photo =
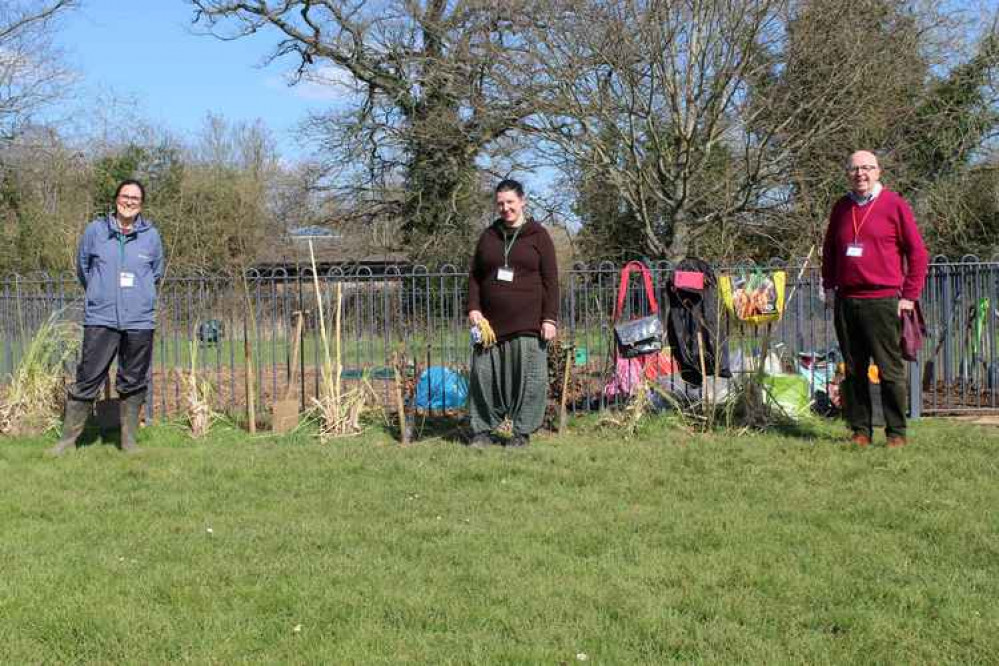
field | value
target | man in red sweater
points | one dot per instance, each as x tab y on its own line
873	267
512	286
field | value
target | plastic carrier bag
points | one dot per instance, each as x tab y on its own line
755	297
790	392
440	388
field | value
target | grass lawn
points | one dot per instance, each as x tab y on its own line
667	548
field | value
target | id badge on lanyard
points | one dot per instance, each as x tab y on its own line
505	272
855	250
126	279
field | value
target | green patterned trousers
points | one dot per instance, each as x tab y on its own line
509	379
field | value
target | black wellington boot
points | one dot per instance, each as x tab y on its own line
77	412
130	408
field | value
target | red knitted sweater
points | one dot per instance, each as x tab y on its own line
893	260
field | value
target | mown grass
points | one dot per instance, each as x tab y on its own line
666	548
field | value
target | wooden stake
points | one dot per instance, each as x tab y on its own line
251	383
285	414
704	369
563	415
400	404
296	349
251	387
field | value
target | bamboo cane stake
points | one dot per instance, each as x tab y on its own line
712	403
801	272
322	318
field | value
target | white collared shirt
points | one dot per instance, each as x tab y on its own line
863	201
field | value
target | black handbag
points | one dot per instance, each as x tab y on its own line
642	336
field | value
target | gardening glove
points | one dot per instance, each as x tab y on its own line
487	335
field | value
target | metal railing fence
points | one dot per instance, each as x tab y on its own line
418	313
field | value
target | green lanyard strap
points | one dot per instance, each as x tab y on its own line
507	246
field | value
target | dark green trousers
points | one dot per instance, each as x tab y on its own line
870	328
509	379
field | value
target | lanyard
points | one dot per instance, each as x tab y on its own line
853	215
122	240
507	246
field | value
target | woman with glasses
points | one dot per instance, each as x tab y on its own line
119	262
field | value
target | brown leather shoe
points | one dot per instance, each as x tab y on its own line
896	441
860	440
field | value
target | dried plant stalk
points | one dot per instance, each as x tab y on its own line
637	408
197	392
339	411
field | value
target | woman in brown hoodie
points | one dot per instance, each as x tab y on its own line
513	284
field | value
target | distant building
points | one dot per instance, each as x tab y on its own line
332	248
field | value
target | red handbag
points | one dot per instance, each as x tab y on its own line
688	280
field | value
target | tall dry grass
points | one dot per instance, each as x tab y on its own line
35	394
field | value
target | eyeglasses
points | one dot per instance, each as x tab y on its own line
866	168
130	200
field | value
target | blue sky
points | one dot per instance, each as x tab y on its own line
145	49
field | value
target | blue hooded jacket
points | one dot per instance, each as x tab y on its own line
119	273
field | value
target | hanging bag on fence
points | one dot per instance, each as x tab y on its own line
644	335
693	321
754	297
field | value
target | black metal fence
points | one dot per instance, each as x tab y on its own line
418	314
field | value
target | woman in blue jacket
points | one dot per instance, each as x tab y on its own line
119	263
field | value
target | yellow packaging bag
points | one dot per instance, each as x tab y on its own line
756	297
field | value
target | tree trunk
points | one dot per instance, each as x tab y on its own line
441	196
679	245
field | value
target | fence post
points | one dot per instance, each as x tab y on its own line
948	309
915	392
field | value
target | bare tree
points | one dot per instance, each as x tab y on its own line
31	74
438	85
672	104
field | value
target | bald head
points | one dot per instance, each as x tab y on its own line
863	171
862	157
